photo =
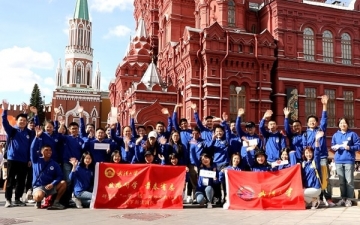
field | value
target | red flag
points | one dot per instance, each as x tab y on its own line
265	190
141	186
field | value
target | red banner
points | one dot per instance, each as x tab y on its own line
138	186
265	190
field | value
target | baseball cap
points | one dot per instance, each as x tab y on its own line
250	124
152	134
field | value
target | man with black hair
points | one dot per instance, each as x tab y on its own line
294	134
18	155
207	130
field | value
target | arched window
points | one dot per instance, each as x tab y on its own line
240	48
237	100
346	48
68	77
78	76
231	13
88	78
309	53
328	47
80	35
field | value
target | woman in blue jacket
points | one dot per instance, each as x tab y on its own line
205	187
310	172
345	142
82	175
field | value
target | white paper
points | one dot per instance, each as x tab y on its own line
252	142
278	163
114	111
336	147
101	146
112	120
207	173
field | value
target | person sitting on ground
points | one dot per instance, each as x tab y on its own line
47	175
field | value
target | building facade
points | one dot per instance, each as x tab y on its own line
76	84
254	54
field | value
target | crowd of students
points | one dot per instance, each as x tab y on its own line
61	159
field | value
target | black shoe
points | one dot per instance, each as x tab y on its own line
19	203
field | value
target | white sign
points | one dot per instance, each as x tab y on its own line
114	111
207	173
101	146
252	142
278	163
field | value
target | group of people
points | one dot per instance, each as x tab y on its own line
61	159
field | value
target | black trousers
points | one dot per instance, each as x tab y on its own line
29	179
16	176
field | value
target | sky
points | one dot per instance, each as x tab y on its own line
33	36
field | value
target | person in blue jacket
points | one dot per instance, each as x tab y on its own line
207	130
181	126
51	137
286	155
205	187
18	155
86	132
248	138
125	143
82	175
345	143
234	165
156	147
196	147
274	141
310	172
257	160
308	139
175	145
47	174
99	154
294	134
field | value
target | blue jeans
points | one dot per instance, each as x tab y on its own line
346	179
85	198
66	168
201	199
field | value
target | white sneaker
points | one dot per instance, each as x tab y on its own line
315	203
8	204
189	200
209	205
78	203
348	203
341	202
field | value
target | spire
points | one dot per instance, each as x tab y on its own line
141	31
59	74
151	76
81	10
97	78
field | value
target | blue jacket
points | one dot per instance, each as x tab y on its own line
83	180
201	184
44	172
254	166
308	138
126	156
97	154
309	178
72	147
295	140
183	157
206	133
196	148
140	151
343	156
222	174
274	142
292	161
55	143
19	145
82	129
185	135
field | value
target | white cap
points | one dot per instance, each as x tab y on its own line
152	134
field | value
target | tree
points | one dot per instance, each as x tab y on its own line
36	100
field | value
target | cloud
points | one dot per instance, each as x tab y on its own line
118	31
110	5
17	66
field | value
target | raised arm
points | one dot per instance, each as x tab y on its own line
226	127
82	122
239	131
196	117
36	145
8	128
323	121
117	139
165	111
287	126
132	123
262	128
175	118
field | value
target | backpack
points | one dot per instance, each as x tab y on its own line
8	140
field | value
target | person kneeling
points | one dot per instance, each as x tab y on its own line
47	175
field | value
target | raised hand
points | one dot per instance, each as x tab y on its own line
25	107
193	106
73	161
319	135
225	117
162	140
61	120
38	131
286	111
324	99
56	111
268	113
138	141
5	104
241	112
165	111
34	110
161	157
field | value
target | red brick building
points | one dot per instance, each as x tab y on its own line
254	54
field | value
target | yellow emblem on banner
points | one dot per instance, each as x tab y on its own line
109	172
